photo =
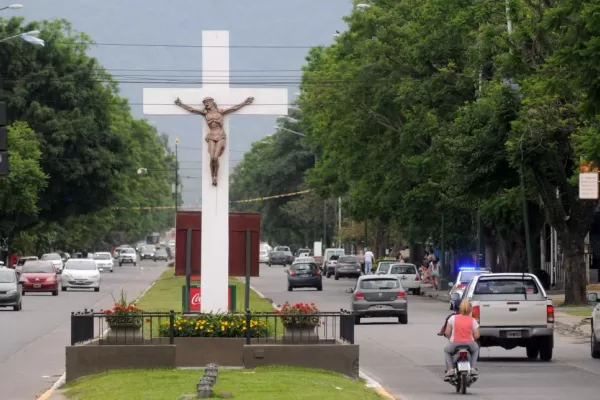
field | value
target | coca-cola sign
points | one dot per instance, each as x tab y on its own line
195	293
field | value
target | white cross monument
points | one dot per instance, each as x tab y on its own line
215	199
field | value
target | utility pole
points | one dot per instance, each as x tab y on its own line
176	176
324	224
339	222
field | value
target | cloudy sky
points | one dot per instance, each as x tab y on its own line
269	39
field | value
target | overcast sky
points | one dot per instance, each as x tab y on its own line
288	28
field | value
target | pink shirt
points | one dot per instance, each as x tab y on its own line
463	328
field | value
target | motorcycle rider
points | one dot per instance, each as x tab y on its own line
463	331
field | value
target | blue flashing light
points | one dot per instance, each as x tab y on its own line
467	268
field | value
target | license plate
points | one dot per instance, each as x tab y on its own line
513	334
37	286
463	366
304	275
381	307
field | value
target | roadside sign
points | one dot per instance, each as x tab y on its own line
588	186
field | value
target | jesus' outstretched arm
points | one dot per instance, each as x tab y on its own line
189	108
246	102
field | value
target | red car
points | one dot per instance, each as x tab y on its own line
39	276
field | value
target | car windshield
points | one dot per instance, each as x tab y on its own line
466	276
506	286
402	269
81	266
277	253
149	248
30	268
102	256
161	251
128	251
334	257
7	277
379	284
24	260
304	267
52	256
348	259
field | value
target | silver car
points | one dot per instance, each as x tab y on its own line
379	296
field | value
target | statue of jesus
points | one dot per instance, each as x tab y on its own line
216	137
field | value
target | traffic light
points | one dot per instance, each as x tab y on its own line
3	141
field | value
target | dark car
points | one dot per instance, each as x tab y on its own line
147	252
10	292
304	275
347	267
279	258
161	254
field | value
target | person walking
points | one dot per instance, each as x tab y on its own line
369	258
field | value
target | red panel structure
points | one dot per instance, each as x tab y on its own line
238	223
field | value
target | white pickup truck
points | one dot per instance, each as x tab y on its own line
513	310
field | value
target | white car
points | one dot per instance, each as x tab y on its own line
595	336
127	256
56	260
465	274
263	257
408	276
80	273
104	261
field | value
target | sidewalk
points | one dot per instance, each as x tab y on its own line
566	323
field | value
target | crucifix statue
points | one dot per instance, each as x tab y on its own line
216	138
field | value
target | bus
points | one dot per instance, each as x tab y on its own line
153	239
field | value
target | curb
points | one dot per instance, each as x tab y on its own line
61	381
369	382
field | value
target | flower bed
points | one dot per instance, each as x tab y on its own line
123	313
215	325
299	315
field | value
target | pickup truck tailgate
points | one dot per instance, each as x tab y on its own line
513	313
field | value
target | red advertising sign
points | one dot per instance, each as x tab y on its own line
195	293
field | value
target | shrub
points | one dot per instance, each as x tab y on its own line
123	313
299	314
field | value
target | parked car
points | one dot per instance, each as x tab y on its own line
279	258
127	256
595	334
408	275
55	259
104	261
263	257
81	273
10	292
347	267
384	266
377	296
39	276
302	274
161	254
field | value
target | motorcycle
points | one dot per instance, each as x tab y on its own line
462	378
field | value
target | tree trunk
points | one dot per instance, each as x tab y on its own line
575	269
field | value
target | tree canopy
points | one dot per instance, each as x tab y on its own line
75	149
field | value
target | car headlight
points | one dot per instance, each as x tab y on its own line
11	292
66	275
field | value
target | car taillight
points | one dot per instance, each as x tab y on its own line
476	313
402	295
292	273
318	272
461	286
550	314
359	296
417	278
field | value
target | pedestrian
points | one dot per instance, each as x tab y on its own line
435	272
369	258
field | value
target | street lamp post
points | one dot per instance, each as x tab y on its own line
11	7
176	177
30	37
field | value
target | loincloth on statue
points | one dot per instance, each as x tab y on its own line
215	138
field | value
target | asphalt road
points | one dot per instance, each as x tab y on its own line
408	359
32	341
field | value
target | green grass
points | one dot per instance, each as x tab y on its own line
580	313
165	295
266	383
